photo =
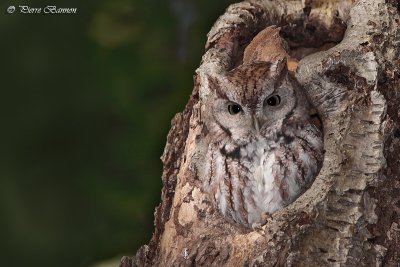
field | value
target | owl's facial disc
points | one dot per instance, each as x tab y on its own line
235	109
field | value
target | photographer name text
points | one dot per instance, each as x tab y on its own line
47	10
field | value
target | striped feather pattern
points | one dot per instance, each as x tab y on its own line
263	175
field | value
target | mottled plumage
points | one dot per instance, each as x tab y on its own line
260	149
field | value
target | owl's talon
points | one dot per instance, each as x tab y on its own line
265	216
258	226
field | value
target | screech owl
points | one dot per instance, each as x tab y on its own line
261	148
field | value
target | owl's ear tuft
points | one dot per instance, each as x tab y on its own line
279	66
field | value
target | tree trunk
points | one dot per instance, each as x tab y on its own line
350	215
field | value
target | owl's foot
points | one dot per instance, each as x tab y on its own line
258	226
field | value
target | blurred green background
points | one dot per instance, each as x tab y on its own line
86	104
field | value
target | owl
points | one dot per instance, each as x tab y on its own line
261	147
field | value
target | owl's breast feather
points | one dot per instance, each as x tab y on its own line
261	176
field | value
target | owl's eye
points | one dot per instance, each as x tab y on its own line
234	109
273	100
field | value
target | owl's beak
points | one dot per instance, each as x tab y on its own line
256	125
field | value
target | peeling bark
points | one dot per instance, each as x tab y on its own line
350	67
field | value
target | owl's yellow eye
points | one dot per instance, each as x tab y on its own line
234	109
273	100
